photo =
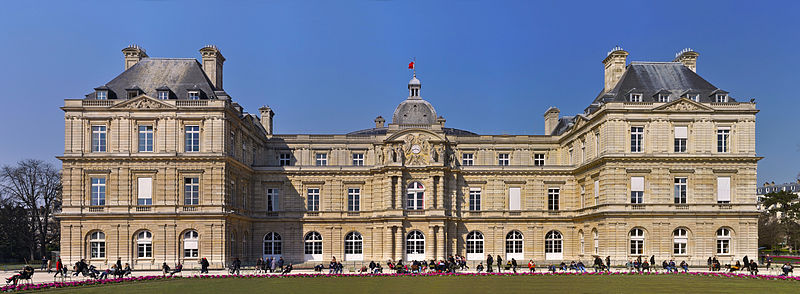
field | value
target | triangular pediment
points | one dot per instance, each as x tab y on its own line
683	105
143	102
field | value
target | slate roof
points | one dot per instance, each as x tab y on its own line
150	74
382	131
650	78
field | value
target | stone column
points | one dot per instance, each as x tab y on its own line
441	250
400	235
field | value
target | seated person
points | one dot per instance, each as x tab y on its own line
127	270
287	269
178	268
684	266
26	273
479	267
318	268
165	268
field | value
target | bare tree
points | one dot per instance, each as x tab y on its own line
36	186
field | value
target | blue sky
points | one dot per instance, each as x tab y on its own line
333	66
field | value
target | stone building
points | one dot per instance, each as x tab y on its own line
161	165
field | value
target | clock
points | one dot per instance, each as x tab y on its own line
415	149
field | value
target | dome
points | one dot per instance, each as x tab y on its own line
414	81
414	111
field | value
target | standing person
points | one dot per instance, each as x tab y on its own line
489	261
274	265
499	264
44	263
204	265
259	264
608	263
709	263
514	265
280	263
531	266
653	260
237	264
59	265
746	262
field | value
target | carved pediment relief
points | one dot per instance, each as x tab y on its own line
143	102
683	105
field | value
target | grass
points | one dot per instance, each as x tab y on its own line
452	284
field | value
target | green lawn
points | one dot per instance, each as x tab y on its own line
452	284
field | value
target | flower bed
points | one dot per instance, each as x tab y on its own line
90	282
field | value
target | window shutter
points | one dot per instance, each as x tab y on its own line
145	188
275	196
637	184
681	132
724	189
513	198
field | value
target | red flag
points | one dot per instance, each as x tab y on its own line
411	65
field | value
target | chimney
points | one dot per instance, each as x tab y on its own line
212	64
688	57
614	67
379	121
266	118
550	120
133	54
441	121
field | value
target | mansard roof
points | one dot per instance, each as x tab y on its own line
383	130
178	74
650	78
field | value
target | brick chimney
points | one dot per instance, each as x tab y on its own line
266	118
688	57
133	54
212	64
551	120
614	65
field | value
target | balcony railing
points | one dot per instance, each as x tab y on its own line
143	208
190	208
96	209
191	103
90	102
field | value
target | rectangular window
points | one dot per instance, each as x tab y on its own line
597	144
721	98
636	97
285	159
358	159
163	95
194	95
191	191
681	135
723	190
694	97
723	246
538	159
98	249
723	135
637	246
663	98
552	198
637	136
569	155
322	159
272	199
145	191
312	199
514	198
680	190
192	138
596	192
98	138
475	199
637	190
145	138
467	159
583	151
98	192
503	159
354	199
102	95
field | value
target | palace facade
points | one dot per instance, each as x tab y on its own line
161	165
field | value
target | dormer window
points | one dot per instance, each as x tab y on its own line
636	97
694	97
663	97
719	98
133	92
101	94
194	95
163	95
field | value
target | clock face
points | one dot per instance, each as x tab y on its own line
415	149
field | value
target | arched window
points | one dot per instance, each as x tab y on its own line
313	246
680	239
514	245
272	244
596	240
415	246
144	244
97	245
190	248
415	197
637	241
553	246
724	241
582	242
353	246
475	245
